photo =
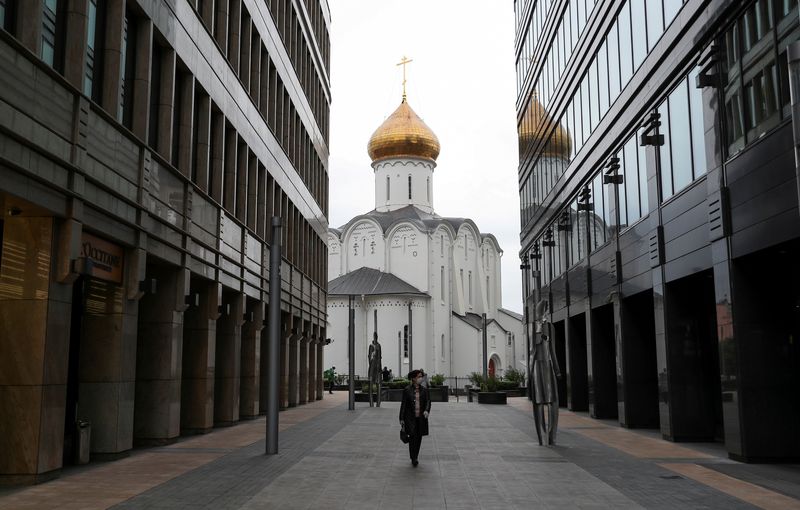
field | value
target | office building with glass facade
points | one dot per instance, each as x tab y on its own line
144	148
659	212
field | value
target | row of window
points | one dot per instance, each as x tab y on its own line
230	24
534	24
248	57
755	70
622	52
297	47
184	125
568	33
320	28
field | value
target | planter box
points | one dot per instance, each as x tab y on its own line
439	393
492	397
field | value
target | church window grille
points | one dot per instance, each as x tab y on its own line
409	187
405	343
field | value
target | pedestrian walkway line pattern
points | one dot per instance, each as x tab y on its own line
102	485
637	445
746	491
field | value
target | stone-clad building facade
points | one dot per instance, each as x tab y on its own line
658	186
144	147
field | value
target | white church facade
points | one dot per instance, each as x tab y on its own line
422	282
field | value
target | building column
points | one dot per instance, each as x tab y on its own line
251	359
112	57
107	372
320	364
199	357
286	333
166	102
28	27
34	340
227	375
293	387
302	386
312	364
140	118
157	417
76	15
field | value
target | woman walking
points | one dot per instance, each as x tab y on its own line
414	414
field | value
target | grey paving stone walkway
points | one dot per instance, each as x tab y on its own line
476	457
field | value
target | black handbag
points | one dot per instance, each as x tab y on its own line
403	435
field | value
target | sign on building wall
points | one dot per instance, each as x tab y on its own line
106	258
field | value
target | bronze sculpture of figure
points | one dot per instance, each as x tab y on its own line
545	371
375	374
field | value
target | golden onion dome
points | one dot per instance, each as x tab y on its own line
536	124
403	134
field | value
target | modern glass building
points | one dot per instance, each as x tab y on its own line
144	148
659	212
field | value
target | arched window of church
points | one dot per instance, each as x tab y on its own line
469	276
442	348
461	277
428	186
465	246
388	188
409	186
488	292
364	247
441	245
405	239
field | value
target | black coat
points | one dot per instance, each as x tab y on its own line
407	410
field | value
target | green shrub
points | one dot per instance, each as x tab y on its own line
476	378
490	384
507	385
437	380
398	383
515	376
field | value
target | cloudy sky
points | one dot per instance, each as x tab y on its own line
461	82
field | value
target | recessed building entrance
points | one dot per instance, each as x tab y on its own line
601	363
760	356
560	344
638	381
576	371
694	392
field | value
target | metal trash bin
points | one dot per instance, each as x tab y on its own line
83	436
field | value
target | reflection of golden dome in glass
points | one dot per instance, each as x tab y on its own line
536	124
403	134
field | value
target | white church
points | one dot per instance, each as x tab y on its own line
420	280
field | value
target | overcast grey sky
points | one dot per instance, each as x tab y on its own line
461	83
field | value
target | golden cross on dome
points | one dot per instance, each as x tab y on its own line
405	60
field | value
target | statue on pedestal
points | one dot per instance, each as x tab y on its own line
544	372
375	372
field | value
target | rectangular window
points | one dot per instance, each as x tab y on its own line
679	138
625	49
631	181
49	28
409	187
405	342
655	23
4	14
639	32
664	153
441	281
603	79
91	38
469	276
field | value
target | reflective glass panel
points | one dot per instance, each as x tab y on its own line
625	49
655	22
664	154
698	126
679	138
631	180
639	32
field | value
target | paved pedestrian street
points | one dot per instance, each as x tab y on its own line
477	456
